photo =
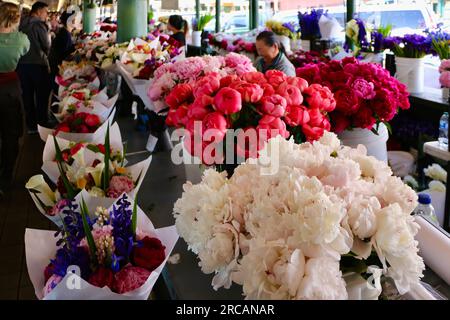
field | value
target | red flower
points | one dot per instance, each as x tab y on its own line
310	72
268	89
320	97
364	118
150	255
62	127
254	77
79	95
347	101
206	86
250	92
102	277
274	105
180	93
215	121
197	111
92	120
270	126
226	81
296	116
300	83
275	77
291	93
248	143
177	117
312	133
340	122
228	101
384	104
129	279
76	148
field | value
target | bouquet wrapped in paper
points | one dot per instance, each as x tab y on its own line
71	70
64	91
307	221
106	250
103	175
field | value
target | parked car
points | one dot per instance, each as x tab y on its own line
240	22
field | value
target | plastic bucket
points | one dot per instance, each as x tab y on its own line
375	144
410	71
197	38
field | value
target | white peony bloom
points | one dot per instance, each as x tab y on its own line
330	139
395	243
323	280
362	216
436	172
437	186
410	181
393	190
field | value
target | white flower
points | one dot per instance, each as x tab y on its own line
436	172
393	190
37	186
436	186
410	181
330	139
323	280
395	243
362	216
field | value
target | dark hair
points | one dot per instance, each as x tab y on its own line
38	5
178	23
270	40
64	17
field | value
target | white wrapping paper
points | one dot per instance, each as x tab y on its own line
40	247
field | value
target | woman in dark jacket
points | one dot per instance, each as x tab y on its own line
179	28
271	55
13	45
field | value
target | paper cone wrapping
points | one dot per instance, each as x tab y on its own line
78	137
93	85
40	247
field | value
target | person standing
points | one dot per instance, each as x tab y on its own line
13	45
179	28
33	68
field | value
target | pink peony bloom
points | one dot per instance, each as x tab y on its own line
320	98
119	185
228	101
444	79
207	86
250	92
296	116
291	93
270	127
275	77
363	89
300	83
274	105
255	77
215	121
445	65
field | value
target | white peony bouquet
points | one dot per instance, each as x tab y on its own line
329	214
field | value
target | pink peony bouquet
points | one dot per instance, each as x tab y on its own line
189	70
263	104
365	93
444	70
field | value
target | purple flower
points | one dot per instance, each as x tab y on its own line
309	24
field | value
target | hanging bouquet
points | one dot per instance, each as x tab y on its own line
189	70
366	94
300	58
409	46
94	172
328	219
103	252
309	24
232	43
444	70
263	105
142	58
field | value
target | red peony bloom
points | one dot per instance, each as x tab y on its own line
228	101
275	77
248	143
270	126
291	93
300	83
250	92
206	86
312	133
102	277
340	122
364	118
150	255
254	77
296	116
274	105
92	120
197	111
129	279
347	101
268	89
320	98
215	121
181	93
226	81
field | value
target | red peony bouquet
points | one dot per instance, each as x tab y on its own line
366	94
81	122
253	108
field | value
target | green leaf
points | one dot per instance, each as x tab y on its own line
389	127
107	157
87	231
374	131
71	192
134	216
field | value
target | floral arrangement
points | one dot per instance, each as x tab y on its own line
440	43
101	174
444	70
300	58
329	212
366	94
116	251
142	58
365	38
278	28
268	104
294	30
108	56
69	71
232	43
189	70
200	24
409	46
309	24
80	122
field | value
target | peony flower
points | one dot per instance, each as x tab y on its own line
347	101
102	277
364	118
323	280
339	121
275	77
436	172
274	105
270	126
254	77
228	101
119	185
363	89
362	215
312	133
206	86
179	94
129	279
444	66
250	92
296	116
320	98
291	93
217	122
300	83
149	255
437	186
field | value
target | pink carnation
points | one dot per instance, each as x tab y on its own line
119	185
